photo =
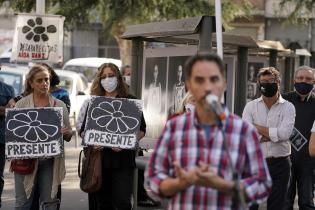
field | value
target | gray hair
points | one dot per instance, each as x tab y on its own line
307	68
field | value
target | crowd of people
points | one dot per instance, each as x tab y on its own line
203	159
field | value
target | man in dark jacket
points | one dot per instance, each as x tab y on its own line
303	166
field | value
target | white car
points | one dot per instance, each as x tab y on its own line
88	66
77	86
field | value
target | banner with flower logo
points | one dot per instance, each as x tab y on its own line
32	133
113	122
38	38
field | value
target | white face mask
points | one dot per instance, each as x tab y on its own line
127	80
109	84
189	107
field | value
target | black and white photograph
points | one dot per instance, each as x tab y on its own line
253	68
251	90
176	82
154	94
29	133
113	122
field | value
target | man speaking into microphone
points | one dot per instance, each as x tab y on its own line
198	153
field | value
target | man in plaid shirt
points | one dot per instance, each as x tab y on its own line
190	164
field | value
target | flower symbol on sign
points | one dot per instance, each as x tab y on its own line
28	127
110	116
36	31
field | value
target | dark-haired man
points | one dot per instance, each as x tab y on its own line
303	166
191	164
273	117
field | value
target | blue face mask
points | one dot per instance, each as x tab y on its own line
303	88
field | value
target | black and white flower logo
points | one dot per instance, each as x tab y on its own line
34	30
110	116
28	127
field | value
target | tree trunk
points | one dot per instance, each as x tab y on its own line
124	50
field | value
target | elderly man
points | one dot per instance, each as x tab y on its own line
303	166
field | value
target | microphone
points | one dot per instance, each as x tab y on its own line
213	101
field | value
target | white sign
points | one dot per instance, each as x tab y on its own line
38	38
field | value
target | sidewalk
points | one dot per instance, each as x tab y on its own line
72	197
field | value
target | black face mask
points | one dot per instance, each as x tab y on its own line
268	89
303	88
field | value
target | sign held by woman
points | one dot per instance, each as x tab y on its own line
113	122
34	132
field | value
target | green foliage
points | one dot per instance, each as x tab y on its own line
300	6
116	14
76	12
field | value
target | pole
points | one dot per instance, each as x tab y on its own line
218	24
40	7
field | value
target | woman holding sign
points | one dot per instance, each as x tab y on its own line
117	164
48	172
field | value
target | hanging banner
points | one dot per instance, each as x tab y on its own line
113	122
38	38
29	133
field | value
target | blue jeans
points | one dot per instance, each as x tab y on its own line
43	182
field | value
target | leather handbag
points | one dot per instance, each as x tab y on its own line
91	172
22	166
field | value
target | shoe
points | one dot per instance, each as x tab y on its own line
148	202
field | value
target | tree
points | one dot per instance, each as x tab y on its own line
300	9
76	12
117	14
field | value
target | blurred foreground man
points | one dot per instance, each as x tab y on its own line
190	163
273	117
303	166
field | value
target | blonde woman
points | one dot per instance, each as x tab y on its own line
48	172
187	104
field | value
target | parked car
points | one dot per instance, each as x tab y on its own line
14	75
75	83
77	86
88	66
6	56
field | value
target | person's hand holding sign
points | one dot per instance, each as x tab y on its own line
67	133
116	149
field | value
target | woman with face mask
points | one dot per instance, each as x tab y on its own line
117	164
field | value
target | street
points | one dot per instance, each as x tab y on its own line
72	197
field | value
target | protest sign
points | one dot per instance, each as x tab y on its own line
32	133
113	122
297	140
38	38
